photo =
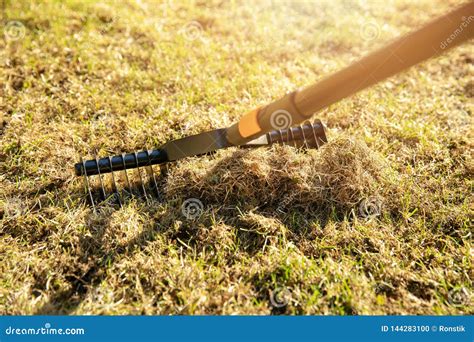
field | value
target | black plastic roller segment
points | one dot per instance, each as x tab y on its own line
120	162
309	135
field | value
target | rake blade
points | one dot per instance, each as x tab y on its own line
88	187
103	195
115	188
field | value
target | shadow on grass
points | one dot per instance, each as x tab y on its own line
93	258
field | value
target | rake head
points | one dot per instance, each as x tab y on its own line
138	169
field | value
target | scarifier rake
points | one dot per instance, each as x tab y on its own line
307	135
253	128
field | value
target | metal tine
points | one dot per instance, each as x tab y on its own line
102	192
150	168
315	137
140	176
305	141
299	134
288	142
281	136
86	178
293	141
114	184
164	170
126	174
269	139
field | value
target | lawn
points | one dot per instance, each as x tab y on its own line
377	221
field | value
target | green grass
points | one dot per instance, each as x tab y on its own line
282	231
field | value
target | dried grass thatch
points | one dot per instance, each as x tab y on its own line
341	174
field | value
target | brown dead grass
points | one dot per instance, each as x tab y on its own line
338	176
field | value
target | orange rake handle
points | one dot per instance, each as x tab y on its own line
430	40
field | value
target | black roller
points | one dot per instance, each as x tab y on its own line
120	162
